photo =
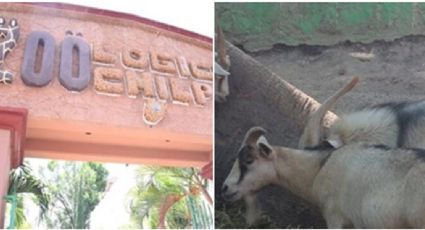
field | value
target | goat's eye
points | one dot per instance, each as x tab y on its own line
249	161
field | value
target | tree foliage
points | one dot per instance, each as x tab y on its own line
163	189
76	189
22	180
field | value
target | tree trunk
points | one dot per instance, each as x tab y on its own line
169	201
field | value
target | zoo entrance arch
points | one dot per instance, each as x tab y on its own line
79	83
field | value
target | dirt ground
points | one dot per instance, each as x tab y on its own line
396	73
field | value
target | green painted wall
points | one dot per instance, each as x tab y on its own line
259	26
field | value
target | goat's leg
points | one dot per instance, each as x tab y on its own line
220	96
253	210
335	219
335	222
224	86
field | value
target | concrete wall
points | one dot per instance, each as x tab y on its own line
258	26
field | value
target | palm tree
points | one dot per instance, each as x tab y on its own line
161	194
22	181
76	188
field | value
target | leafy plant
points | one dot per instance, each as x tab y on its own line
76	188
23	181
159	199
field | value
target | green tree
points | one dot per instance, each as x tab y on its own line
22	181
160	196
76	189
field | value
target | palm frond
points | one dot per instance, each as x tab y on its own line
22	180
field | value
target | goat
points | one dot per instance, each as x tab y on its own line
400	124
221	67
357	185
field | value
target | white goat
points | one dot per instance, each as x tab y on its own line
399	124
221	67
358	185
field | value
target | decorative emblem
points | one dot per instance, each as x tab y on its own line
9	35
153	111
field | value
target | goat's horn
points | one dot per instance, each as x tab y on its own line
253	134
313	130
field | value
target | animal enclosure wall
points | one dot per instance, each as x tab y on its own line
258	26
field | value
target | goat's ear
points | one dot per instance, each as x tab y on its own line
266	150
252	135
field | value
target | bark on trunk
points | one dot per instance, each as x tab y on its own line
169	201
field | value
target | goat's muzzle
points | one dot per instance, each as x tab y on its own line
227	194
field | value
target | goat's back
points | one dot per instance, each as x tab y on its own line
374	186
393	124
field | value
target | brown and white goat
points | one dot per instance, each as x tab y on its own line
357	185
396	124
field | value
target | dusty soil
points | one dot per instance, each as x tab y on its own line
397	72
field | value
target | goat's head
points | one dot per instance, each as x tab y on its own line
253	169
313	133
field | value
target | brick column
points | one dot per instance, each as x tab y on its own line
12	138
